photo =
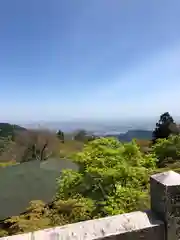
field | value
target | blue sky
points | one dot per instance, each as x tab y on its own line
89	59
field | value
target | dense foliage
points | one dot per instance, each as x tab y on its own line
165	127
167	150
112	179
113	176
40	216
109	173
9	130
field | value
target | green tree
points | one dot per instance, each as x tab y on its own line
165	127
60	135
80	135
109	172
167	150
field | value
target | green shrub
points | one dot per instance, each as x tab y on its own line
111	174
167	150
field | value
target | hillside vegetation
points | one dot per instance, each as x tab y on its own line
112	178
9	130
96	190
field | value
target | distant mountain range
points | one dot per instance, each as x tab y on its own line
99	127
121	132
131	134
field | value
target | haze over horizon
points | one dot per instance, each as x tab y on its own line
98	60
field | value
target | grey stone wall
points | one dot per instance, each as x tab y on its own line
160	223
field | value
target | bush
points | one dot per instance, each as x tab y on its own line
110	173
40	216
167	150
35	218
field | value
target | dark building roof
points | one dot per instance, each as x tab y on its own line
29	181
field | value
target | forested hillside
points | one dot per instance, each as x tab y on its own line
9	130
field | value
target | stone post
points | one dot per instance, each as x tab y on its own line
165	201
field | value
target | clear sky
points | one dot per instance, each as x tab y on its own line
96	59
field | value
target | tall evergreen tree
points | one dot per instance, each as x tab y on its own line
164	127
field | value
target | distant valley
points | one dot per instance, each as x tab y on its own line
123	133
96	127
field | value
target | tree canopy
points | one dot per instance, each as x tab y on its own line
109	173
167	150
165	127
60	135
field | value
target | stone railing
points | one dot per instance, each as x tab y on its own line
160	223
